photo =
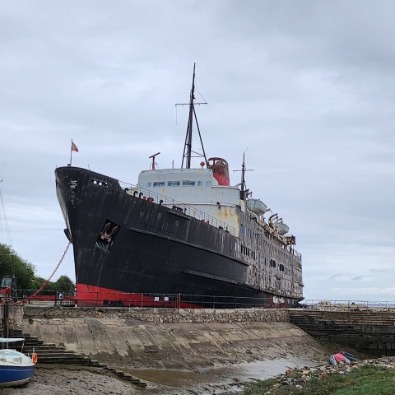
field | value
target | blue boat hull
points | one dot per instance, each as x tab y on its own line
11	376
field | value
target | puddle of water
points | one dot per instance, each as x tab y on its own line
227	379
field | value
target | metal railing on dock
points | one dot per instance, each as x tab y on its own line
123	299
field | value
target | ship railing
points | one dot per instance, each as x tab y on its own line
291	250
296	253
177	206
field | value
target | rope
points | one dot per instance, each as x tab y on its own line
49	279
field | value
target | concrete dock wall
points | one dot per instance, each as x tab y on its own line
153	337
171	339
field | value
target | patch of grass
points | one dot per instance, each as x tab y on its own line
259	386
365	380
371	380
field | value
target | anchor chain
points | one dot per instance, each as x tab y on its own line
49	279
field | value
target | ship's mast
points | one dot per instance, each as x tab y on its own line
188	138
243	179
244	192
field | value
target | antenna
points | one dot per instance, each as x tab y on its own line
153	160
192	115
244	192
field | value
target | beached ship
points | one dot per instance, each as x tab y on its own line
181	236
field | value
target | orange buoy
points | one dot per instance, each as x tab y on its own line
34	358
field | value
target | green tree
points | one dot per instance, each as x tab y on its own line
37	282
13	265
64	284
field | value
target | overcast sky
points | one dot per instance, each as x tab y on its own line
306	88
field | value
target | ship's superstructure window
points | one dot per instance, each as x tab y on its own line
244	250
158	184
199	183
188	183
173	183
245	231
247	251
148	185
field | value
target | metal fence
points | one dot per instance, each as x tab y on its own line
123	299
119	299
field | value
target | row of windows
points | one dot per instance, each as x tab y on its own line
272	263
245	231
249	252
245	250
184	183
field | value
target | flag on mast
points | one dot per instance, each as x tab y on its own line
73	148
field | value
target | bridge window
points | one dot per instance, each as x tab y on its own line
188	183
173	183
159	184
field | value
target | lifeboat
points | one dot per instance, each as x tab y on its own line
281	228
256	206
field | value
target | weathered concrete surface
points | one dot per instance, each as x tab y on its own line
369	331
172	339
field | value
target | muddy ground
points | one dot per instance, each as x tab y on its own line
226	379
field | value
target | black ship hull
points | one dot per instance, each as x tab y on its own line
128	248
